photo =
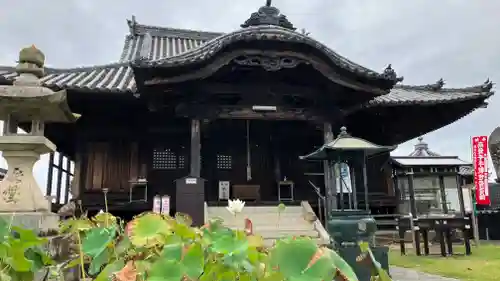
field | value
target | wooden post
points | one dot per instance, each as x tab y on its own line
413	208
59	178
442	190
50	174
195	160
330	188
68	180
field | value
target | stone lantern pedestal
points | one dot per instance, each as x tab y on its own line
21	198
20	191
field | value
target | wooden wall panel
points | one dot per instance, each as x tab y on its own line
112	165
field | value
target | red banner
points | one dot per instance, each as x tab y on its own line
480	160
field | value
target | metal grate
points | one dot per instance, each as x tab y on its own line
164	159
224	162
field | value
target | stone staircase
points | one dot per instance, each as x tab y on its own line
293	221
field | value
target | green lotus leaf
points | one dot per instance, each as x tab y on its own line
228	243
97	240
301	250
194	261
148	230
4	230
172	252
109	269
123	245
309	263
98	262
165	270
343	268
16	257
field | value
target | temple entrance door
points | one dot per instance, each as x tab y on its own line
222	156
168	161
261	159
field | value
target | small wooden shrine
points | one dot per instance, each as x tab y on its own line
426	183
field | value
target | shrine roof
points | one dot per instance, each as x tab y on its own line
148	45
423	156
119	78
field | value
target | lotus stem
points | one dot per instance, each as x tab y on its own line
80	249
105	191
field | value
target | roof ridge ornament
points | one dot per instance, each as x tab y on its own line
268	15
487	85
132	24
343	133
391	74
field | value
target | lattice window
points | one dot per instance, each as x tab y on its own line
164	159
182	162
224	162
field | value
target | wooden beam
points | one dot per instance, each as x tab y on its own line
273	89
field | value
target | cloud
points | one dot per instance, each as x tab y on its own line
424	40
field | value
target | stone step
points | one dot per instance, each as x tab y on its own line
267	210
275	234
271	241
287	227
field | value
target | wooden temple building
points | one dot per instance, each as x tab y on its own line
238	107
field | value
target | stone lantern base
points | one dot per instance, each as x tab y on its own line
21	199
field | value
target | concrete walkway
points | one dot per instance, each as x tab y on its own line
405	274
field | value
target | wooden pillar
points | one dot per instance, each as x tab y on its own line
461	196
195	153
442	190
59	178
82	172
75	183
50	174
68	180
330	188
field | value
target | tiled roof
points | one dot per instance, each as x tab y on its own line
406	94
428	161
160	44
270	33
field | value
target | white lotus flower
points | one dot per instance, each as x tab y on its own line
100	212
235	206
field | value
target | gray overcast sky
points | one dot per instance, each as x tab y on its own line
425	40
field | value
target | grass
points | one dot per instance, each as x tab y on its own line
482	265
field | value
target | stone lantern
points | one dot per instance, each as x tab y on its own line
27	101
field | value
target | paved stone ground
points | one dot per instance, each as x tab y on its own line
405	274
